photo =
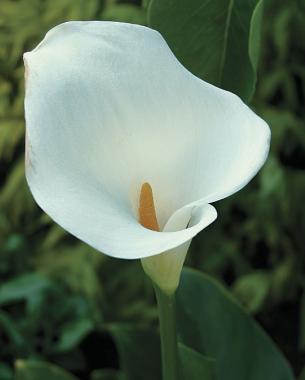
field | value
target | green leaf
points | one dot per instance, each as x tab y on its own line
81	274
125	13
73	333
195	366
145	3
10	328
139	352
252	290
217	40
212	322
31	370
255	34
26	286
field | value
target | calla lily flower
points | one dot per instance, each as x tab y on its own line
118	128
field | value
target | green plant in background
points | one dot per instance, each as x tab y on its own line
59	299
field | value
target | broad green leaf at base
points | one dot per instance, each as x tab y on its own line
195	366
211	322
139	352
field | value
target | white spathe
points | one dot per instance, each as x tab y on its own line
108	107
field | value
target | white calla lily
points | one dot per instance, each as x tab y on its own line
108	107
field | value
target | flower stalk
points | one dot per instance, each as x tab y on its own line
168	334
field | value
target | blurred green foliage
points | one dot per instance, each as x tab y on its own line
59	298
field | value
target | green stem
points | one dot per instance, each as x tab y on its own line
168	333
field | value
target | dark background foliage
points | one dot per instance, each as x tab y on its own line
59	298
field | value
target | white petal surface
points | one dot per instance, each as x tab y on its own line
108	107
